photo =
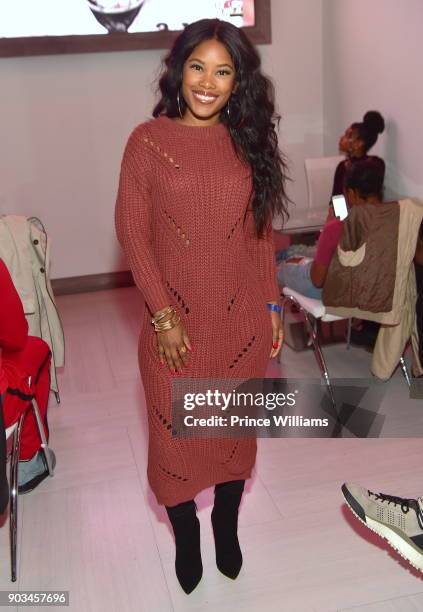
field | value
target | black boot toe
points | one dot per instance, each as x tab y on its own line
224	519
189	572
186	527
230	565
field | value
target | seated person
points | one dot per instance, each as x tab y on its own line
13	334
364	185
355	143
23	356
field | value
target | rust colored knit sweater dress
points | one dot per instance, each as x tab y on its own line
180	218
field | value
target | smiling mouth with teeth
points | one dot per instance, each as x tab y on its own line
204	98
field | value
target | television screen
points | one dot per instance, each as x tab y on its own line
23	21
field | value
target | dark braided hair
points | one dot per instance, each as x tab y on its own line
252	118
368	130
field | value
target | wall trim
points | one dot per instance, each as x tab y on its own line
92	282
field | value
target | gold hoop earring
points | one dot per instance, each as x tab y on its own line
179	104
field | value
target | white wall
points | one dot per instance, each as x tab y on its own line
295	63
65	120
372	59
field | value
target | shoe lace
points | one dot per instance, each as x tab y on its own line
393	499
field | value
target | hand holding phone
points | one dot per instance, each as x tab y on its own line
340	207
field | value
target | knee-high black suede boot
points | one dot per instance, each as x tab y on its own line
186	527
227	497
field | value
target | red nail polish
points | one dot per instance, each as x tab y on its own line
275	344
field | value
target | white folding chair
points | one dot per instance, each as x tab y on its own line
14	432
312	310
320	172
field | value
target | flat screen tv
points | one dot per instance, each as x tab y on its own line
42	27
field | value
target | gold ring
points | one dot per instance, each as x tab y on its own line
182	349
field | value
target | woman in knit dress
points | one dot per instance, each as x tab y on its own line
199	186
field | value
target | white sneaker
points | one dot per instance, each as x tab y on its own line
396	519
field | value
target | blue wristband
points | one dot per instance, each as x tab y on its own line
274	307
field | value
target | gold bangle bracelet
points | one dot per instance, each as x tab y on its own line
167	317
166	325
162	314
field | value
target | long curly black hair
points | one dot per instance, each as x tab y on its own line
252	119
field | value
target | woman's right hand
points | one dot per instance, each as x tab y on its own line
173	346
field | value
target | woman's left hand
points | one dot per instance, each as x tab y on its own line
277	330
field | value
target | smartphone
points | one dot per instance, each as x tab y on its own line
340	207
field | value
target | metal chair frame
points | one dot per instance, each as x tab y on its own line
318	350
15	430
312	329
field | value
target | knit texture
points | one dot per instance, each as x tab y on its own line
184	222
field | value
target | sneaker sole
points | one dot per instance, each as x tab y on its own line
405	549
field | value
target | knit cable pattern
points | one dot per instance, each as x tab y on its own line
183	221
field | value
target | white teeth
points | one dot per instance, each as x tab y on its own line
204	98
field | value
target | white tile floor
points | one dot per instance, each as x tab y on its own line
96	530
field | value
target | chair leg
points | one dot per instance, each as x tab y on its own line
405	371
278	358
44	444
317	349
349	334
14	463
320	358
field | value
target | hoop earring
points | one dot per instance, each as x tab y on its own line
178	102
228	110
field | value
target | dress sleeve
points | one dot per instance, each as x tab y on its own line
13	324
133	219
262	253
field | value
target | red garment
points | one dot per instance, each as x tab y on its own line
22	356
183	196
328	241
13	325
33	361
